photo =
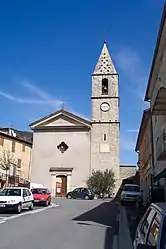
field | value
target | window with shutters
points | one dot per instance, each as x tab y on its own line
1	141
23	148
13	146
19	163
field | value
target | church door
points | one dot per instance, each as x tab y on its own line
61	186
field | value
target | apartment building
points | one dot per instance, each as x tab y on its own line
144	150
15	148
156	95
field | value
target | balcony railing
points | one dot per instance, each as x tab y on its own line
158	100
161	147
13	181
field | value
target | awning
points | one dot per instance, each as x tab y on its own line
161	175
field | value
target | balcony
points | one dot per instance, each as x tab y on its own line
158	100
161	147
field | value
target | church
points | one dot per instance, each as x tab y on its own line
67	148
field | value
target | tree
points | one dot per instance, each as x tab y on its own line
7	160
102	182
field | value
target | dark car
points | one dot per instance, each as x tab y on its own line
81	193
151	231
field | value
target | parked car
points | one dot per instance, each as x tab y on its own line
81	193
41	196
131	193
151	231
16	199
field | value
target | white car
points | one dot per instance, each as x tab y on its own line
131	193
16	199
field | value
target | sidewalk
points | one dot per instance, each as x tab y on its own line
123	240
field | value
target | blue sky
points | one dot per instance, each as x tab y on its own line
48	50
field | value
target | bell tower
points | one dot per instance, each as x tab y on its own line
105	115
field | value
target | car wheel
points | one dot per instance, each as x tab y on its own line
31	206
69	197
46	204
49	203
86	197
19	208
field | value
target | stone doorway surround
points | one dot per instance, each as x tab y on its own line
59	172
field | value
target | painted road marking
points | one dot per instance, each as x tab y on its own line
4	219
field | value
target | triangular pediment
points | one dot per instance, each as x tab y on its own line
61	118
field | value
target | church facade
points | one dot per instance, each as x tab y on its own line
66	147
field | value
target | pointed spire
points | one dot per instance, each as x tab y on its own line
104	64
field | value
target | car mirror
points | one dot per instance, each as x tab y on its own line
145	246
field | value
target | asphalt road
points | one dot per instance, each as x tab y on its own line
132	213
73	224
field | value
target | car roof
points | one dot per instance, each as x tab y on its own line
16	188
160	205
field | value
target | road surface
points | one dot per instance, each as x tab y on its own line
74	224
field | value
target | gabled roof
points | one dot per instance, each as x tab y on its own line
21	136
61	112
104	64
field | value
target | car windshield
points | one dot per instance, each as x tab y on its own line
10	192
131	188
39	191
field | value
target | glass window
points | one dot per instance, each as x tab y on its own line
24	193
154	231
28	192
132	188
10	192
77	190
147	221
39	191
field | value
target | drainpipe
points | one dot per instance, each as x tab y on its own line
152	150
152	146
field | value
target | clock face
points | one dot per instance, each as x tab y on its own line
105	107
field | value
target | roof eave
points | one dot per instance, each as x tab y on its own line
147	96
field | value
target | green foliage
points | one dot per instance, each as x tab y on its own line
102	181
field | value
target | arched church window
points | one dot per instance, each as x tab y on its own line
104	86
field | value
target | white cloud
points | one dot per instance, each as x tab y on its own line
36	90
132	130
43	98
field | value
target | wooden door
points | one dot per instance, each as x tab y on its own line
61	186
64	185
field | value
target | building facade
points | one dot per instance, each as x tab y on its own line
144	150
156	95
15	149
66	147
